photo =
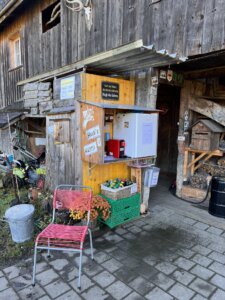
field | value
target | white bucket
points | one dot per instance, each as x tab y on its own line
20	219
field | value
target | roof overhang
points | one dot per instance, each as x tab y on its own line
9	119
133	108
7	10
129	57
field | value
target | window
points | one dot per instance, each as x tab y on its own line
15	50
51	16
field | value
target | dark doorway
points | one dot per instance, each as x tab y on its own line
168	100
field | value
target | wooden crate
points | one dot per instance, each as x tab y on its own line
193	194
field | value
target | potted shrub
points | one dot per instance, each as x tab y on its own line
100	209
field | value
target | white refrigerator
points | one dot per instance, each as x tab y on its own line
140	132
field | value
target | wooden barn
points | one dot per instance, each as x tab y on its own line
171	52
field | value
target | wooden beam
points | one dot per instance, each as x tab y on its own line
8	9
211	72
81	64
208	108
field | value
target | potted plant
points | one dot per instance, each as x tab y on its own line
100	209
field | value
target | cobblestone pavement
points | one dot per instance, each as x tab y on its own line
175	252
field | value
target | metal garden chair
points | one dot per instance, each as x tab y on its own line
66	237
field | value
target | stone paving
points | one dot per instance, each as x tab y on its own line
175	252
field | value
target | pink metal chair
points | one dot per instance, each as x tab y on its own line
66	237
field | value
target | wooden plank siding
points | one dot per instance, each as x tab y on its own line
189	27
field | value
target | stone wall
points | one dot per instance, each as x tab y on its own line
38	97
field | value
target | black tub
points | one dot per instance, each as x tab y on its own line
217	200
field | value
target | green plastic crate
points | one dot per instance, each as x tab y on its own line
123	210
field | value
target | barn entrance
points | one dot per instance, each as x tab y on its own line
168	100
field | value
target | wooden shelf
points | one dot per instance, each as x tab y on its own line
198	158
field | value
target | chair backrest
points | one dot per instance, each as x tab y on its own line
74	197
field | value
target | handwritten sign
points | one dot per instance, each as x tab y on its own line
90	149
93	132
110	91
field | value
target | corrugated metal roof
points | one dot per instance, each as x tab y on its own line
121	107
13	117
132	56
211	125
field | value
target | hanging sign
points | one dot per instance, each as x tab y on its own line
90	149
110	91
67	88
169	75
93	132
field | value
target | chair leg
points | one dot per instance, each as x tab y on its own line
91	243
34	266
80	267
48	255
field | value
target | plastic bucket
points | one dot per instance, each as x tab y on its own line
20	219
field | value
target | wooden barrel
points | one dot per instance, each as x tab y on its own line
217	200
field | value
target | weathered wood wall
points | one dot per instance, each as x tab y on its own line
61	164
188	27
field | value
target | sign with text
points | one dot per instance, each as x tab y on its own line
67	88
110	91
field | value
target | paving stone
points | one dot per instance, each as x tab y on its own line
201	225
9	294
94	293
202	260
112	265
202	272
69	273
135	229
45	298
3	284
125	274
202	287
46	277
182	276
218	281
145	271
71	295
21	282
12	272
121	230
187	253
57	288
104	279
101	256
218	295
151	260
86	283
141	285
114	238
59	264
118	290
131	262
217	256
181	292
189	221
215	230
110	249
218	268
92	268
158	294
199	297
217	247
201	249
32	292
1	274
42	266
134	296
139	223
162	281
119	254
184	263
129	236
166	267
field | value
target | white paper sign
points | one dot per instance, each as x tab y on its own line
90	149
67	88
99	143
93	132
147	133
133	189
